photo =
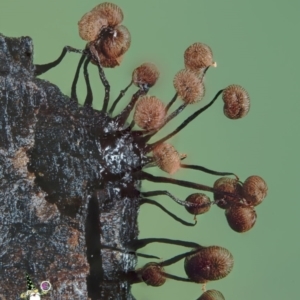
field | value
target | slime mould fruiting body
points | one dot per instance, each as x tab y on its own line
70	175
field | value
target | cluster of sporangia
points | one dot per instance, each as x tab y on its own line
106	18
108	41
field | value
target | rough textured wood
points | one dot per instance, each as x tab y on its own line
66	188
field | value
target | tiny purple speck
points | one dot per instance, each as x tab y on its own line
45	285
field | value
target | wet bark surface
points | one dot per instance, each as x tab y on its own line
66	188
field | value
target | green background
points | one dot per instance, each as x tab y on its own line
256	44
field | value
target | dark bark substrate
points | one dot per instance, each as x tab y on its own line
62	196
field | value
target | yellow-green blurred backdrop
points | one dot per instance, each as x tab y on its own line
256	44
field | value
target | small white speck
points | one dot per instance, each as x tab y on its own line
35	297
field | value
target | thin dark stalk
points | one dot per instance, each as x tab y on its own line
40	69
106	88
171	102
121	95
102	76
179	257
75	80
174	114
160	179
149	201
160	192
205	70
122	117
174	277
184	123
203	169
131	125
89	95
180	202
137	244
146	255
130	252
